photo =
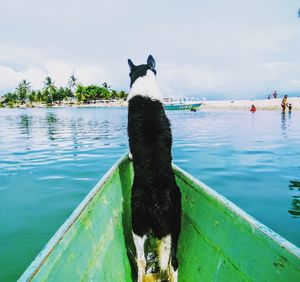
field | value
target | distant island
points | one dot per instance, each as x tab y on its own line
75	93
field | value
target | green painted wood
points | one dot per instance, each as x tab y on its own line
218	242
91	245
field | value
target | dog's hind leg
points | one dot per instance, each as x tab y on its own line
164	255
173	261
139	243
173	265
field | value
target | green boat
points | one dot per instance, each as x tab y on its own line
218	242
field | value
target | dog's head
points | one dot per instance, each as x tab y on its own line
140	70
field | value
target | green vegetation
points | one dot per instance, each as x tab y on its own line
50	94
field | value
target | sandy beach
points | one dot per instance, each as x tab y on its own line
272	104
263	104
103	104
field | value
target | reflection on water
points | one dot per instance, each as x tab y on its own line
248	158
52	120
294	185
283	124
25	124
295	209
51	158
286	123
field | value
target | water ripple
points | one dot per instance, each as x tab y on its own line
51	158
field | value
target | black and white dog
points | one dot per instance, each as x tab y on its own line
155	197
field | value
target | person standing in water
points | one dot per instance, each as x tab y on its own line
284	103
253	109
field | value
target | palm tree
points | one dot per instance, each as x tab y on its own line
105	94
60	95
50	93
80	93
48	83
72	83
122	94
105	85
49	89
39	96
113	94
68	92
10	98
23	90
32	97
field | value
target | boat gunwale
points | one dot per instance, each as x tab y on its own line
254	223
42	256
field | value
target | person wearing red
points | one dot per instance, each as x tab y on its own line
253	109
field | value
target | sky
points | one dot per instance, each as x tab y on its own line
215	49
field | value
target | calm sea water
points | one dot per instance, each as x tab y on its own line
51	158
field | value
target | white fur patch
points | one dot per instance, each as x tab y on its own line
146	86
174	275
164	252
140	255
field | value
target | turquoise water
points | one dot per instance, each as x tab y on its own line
51	158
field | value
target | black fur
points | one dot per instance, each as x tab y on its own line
155	198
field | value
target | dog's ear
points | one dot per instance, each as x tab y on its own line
131	64
151	62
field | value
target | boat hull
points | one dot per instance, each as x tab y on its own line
194	106
218	242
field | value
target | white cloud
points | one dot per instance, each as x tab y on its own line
239	49
182	80
9	78
60	72
92	74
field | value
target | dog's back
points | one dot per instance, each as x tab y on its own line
156	200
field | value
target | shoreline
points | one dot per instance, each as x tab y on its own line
106	104
260	104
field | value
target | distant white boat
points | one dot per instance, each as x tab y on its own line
181	104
